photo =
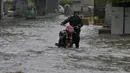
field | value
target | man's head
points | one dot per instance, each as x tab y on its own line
76	13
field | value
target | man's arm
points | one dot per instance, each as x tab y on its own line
81	23
66	21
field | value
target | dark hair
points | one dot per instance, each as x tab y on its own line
76	12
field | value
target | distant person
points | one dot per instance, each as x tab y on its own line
67	9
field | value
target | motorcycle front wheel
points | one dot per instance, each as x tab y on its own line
69	44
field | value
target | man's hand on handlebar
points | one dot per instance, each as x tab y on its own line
62	24
77	27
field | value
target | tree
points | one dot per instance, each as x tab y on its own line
113	1
63	2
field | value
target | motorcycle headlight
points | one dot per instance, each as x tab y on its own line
71	30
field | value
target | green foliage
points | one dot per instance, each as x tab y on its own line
114	1
100	2
63	2
119	0
103	2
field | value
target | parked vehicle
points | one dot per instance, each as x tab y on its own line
10	12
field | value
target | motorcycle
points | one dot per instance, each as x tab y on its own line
66	37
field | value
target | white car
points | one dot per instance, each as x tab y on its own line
10	12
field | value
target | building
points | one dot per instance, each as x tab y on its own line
87	7
20	7
43	6
76	5
1	8
82	5
46	6
99	9
51	5
120	18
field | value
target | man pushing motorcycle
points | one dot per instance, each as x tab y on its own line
77	23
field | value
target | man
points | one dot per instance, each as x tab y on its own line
75	21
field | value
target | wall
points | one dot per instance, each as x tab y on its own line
1	9
76	7
108	14
41	7
99	9
20	6
51	5
78	4
88	2
117	20
120	18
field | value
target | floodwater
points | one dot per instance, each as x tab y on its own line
27	46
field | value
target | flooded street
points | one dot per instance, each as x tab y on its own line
27	46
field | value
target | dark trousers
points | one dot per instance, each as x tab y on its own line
76	37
